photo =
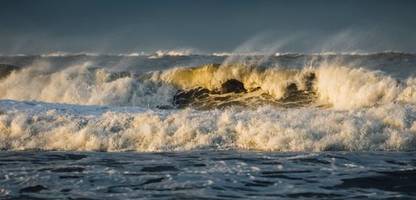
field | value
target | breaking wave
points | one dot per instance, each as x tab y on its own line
327	106
338	87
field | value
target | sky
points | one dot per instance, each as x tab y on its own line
104	26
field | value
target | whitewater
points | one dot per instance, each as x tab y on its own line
351	103
208	126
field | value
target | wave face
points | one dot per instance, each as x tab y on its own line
289	102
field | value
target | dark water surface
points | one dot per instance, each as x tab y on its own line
207	174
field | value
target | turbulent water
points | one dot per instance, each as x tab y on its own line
207	175
179	104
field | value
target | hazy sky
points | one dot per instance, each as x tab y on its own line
29	26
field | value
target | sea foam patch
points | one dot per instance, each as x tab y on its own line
45	126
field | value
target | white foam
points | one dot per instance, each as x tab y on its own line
174	53
65	54
64	127
82	84
347	88
133	54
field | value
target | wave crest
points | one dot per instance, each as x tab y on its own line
333	85
84	85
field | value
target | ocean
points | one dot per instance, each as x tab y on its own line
177	125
